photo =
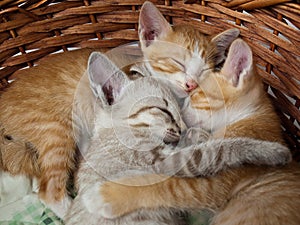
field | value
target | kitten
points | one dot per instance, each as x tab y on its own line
36	111
179	53
185	57
134	121
57	119
48	125
253	195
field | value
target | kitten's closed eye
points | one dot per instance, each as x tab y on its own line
179	64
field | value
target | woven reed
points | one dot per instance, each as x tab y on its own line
32	29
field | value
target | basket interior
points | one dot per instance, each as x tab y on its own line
33	29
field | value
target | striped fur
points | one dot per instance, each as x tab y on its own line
37	108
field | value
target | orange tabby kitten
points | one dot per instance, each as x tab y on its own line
179	53
246	195
186	57
29	111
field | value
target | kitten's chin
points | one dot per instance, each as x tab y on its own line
178	91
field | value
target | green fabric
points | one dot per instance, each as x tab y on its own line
27	211
30	211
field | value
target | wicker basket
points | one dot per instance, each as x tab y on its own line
32	29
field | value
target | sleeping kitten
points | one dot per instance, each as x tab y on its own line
37	108
133	122
185	57
245	195
36	112
179	53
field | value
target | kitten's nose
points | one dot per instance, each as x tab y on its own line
191	85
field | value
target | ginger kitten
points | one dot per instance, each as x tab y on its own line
179	53
243	195
37	108
186	57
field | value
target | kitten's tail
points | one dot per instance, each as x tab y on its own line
210	157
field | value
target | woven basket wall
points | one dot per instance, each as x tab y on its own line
32	29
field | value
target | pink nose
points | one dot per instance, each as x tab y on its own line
191	85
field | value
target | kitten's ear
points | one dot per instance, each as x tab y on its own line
238	64
221	42
152	24
106	79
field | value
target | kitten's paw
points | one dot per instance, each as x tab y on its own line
167	151
60	208
280	155
95	203
266	153
194	136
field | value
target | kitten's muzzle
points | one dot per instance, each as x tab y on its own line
190	85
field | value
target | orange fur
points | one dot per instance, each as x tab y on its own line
37	108
215	93
248	195
16	156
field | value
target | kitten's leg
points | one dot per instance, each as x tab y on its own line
56	161
125	196
83	211
213	156
193	136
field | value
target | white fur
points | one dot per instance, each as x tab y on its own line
94	202
212	121
13	188
60	208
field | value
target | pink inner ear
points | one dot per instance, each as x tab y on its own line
239	59
151	23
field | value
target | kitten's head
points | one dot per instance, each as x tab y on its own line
179	53
236	86
142	107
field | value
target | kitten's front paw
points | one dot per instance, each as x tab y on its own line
279	155
95	202
167	151
60	208
194	136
